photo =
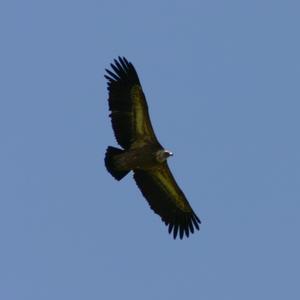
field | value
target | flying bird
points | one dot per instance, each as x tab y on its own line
141	151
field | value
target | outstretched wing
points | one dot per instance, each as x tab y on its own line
127	103
167	200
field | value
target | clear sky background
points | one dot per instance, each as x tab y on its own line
222	83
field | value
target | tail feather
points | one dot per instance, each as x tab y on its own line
111	165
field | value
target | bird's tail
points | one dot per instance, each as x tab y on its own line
111	165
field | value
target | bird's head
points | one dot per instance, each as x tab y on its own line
162	155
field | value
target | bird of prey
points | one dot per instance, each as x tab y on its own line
141	151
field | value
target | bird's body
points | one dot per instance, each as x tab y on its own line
142	153
144	158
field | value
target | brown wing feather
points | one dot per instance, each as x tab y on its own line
127	103
167	200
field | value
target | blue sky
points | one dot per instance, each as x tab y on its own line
222	83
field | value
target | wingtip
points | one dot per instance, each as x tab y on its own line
187	227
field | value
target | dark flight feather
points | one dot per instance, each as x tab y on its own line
128	105
161	200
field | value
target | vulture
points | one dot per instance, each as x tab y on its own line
141	151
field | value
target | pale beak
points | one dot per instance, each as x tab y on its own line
170	153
